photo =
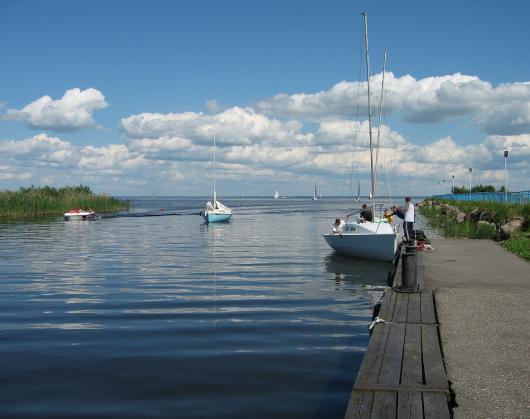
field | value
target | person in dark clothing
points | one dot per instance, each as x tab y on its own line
398	212
366	214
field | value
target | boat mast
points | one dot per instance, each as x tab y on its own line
214	191
365	15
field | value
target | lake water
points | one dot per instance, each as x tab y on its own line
151	313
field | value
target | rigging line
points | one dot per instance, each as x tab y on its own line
379	116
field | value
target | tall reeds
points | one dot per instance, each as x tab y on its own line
33	201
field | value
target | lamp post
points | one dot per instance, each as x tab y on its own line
453	187
470	170
505	177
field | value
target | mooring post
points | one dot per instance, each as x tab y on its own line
409	278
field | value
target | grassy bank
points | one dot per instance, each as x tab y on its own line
31	202
490	216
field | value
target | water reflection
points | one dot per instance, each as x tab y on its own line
172	315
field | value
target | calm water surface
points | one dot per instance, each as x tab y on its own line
154	314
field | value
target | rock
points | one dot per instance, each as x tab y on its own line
512	225
460	216
474	215
488	216
449	210
483	223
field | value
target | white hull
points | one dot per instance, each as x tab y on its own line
374	241
79	215
216	212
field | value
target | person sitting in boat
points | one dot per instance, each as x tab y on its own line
366	214
337	226
389	216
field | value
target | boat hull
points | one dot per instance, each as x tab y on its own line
79	215
213	217
364	246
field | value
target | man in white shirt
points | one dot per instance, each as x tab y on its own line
408	223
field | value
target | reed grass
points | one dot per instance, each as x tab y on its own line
33	201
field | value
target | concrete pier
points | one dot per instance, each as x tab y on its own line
482	300
464	332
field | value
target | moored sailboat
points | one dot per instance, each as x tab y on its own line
215	211
375	240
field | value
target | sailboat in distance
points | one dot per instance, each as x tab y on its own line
358	197
375	239
316	197
215	211
276	194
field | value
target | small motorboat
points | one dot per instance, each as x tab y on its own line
80	214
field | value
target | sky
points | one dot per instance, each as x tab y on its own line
126	96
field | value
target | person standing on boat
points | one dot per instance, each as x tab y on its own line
409	219
366	214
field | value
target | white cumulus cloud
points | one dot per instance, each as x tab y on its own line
72	112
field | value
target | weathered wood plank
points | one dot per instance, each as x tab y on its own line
391	365
360	405
412	366
387	307
435	406
410	405
371	365
433	367
414	308
385	302
427	307
385	405
400	309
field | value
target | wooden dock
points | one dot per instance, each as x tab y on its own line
402	374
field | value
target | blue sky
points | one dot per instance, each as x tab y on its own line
124	96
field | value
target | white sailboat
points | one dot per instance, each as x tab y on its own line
367	240
276	194
316	197
215	211
358	197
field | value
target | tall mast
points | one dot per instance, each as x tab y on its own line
369	110
214	192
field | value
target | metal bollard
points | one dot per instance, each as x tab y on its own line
409	278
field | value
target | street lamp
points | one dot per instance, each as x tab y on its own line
470	170
505	177
453	188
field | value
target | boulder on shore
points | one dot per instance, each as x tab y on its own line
511	226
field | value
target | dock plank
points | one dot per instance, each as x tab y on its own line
393	355
401	307
428	315
433	367
435	406
410	405
360	405
387	307
371	365
414	308
412	367
385	405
